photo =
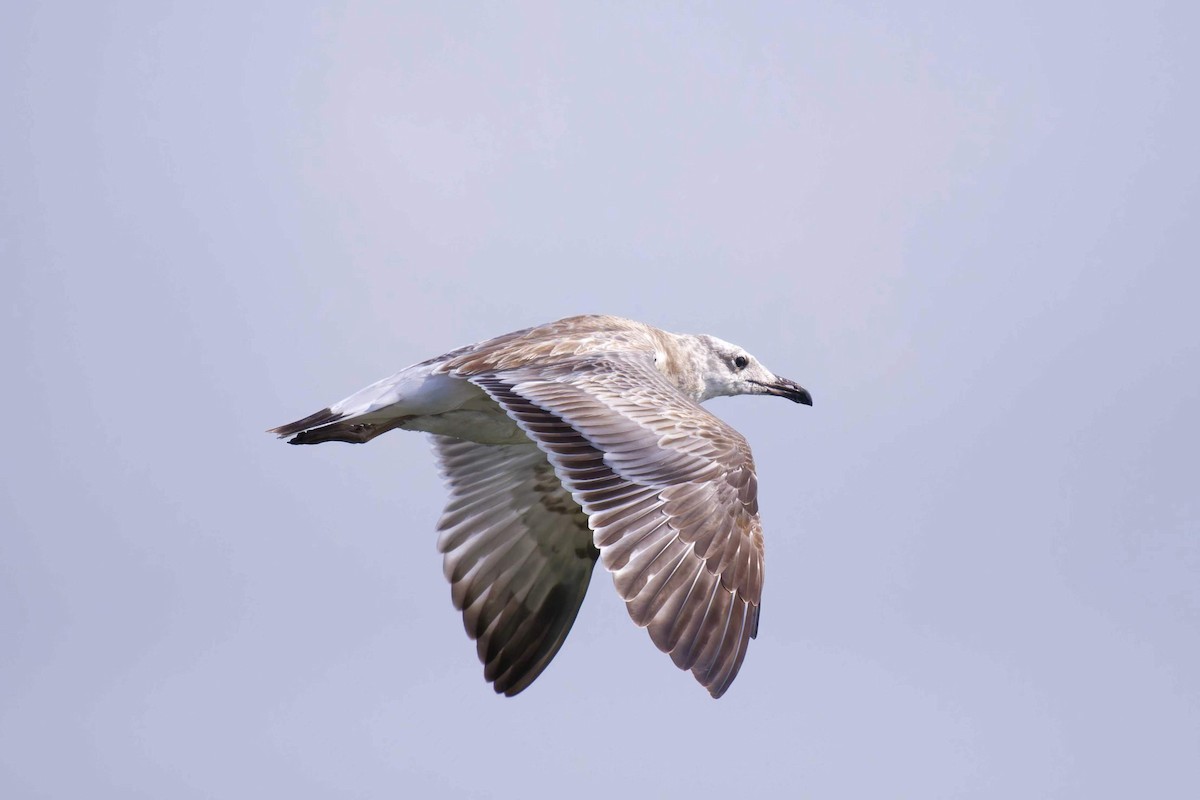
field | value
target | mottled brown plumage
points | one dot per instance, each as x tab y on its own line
579	439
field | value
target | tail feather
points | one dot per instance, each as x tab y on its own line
329	426
380	407
323	417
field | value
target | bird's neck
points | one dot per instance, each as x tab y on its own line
681	361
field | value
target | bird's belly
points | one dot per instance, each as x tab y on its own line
474	425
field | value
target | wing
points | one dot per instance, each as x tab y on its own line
670	493
518	554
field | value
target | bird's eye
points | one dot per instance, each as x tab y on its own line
740	362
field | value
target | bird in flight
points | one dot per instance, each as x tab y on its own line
577	441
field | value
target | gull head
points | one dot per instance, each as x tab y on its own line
722	369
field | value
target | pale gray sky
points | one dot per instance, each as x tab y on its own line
970	230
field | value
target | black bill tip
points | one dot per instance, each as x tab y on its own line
793	391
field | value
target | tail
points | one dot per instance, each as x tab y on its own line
378	408
328	425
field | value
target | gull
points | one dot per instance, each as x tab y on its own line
576	441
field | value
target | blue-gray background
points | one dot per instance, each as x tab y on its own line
970	231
